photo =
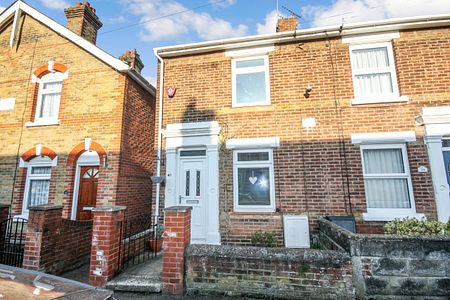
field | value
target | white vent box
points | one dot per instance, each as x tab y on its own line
296	231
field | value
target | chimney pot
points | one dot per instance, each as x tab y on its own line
133	59
82	20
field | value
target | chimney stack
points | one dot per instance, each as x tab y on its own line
82	20
133	59
287	24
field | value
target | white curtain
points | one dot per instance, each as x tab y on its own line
48	105
38	193
385	192
368	61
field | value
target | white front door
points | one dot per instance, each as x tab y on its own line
191	192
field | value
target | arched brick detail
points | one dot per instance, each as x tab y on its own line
79	149
30	154
43	70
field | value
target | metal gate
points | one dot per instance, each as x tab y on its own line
12	241
140	241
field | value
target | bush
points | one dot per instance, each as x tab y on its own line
264	239
415	227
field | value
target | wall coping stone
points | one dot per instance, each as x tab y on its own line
272	254
45	207
5	205
178	209
109	208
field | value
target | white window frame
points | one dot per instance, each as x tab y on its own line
49	78
250	70
376	98
36	162
388	214
253	164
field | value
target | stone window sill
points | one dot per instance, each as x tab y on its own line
42	123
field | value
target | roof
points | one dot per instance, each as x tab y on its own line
102	55
306	34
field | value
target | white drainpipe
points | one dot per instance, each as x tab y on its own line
158	159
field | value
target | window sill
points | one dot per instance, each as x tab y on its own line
389	216
254	210
359	101
236	105
42	123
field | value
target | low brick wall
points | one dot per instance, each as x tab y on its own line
268	272
394	267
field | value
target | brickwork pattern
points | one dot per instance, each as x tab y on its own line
317	171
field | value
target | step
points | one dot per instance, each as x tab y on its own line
136	283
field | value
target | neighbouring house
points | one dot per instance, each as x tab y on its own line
270	132
76	123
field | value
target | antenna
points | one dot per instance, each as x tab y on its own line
292	12
278	11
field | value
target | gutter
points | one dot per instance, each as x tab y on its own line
160	115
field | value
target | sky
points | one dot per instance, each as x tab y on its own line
145	24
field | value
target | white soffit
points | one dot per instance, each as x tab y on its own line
370	38
383	137
253	51
253	143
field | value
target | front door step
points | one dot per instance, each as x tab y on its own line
145	277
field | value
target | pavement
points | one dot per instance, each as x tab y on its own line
135	296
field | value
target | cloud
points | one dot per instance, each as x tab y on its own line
55	4
350	11
116	20
178	26
222	3
270	23
151	79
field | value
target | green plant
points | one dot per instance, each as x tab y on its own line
264	239
415	227
303	269
448	227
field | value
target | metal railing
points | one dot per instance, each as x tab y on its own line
12	241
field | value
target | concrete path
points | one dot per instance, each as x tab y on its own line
135	296
144	277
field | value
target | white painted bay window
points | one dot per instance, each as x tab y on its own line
251	84
387	182
374	74
253	178
37	186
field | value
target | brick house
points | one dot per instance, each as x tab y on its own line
269	132
76	122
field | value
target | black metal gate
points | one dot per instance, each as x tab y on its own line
12	241
141	241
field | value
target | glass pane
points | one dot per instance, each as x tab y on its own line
91	173
383	161
188	182
52	85
253	156
38	192
41	170
184	153
387	193
250	87
197	190
253	186
374	84
370	58
250	63
446	143
48	105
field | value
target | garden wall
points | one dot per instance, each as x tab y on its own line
393	267
268	272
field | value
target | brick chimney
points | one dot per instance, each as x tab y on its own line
133	59
287	24
82	20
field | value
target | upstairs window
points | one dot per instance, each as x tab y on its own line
47	107
251	81
374	75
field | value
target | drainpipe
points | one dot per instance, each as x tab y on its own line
158	156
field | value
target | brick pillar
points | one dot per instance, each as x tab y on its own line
4	212
44	222
106	240
177	236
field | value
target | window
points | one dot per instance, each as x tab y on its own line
374	75
251	81
37	186
47	108
253	181
387	181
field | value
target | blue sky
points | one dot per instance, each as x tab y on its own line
219	19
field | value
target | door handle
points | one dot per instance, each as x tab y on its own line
179	199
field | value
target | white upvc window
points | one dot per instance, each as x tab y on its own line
250	81
253	181
374	74
37	186
47	107
387	182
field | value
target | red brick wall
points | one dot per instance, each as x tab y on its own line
317	171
